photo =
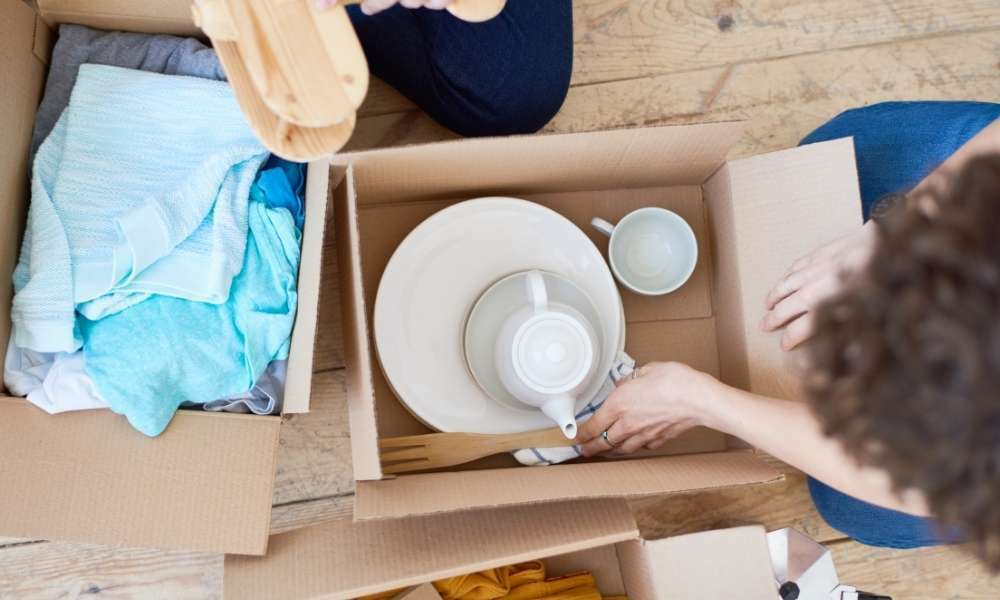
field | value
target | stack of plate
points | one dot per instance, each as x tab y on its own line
439	273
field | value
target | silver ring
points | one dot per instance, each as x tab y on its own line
604	434
636	373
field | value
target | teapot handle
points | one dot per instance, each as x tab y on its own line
536	291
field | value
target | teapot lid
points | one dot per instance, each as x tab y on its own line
552	353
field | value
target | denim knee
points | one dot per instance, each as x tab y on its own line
873	525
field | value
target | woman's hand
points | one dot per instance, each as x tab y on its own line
370	7
663	401
811	280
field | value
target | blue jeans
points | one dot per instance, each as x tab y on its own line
897	144
506	76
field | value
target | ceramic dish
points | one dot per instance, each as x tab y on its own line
435	277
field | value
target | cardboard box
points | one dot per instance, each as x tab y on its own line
204	484
752	217
345	559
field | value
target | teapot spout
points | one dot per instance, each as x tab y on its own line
561	409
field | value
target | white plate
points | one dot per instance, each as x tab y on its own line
435	277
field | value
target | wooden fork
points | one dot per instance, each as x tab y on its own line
436	450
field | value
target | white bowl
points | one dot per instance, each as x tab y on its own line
436	275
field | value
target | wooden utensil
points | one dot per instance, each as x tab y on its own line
436	450
298	73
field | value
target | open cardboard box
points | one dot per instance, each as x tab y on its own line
204	484
343	559
752	217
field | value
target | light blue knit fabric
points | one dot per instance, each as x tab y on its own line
141	188
147	360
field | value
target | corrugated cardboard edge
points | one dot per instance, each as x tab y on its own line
478	166
298	386
823	180
205	484
342	559
408	496
724	563
357	351
149	16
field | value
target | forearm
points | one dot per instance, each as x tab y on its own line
789	431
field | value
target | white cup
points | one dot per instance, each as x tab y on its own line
652	250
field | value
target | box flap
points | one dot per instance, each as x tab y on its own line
766	212
357	352
454	491
23	75
423	592
204	484
622	158
298	383
344	559
726	563
150	16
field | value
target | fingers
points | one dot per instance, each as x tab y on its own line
412	3
598	445
597	424
785	311
797	332
370	7
437	4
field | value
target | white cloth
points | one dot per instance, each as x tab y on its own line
534	457
58	382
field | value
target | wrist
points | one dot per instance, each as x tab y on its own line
718	407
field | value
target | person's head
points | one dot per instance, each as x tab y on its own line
904	368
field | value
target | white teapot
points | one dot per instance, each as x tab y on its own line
545	354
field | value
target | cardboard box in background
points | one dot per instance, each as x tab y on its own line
342	559
206	482
752	217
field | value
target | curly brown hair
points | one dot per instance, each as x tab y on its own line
904	368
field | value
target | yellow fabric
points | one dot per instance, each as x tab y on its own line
525	581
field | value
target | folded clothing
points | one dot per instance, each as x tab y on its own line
57	381
147	360
133	193
77	45
524	581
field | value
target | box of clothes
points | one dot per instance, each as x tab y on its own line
584	550
164	276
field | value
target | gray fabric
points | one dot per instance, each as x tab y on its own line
78	45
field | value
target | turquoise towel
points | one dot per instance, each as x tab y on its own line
140	189
147	360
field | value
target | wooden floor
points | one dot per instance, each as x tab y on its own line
784	65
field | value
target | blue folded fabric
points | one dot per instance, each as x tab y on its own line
281	183
140	189
147	360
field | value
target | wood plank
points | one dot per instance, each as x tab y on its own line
51	570
617	40
785	99
626	39
782	99
922	574
776	505
314	452
296	515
